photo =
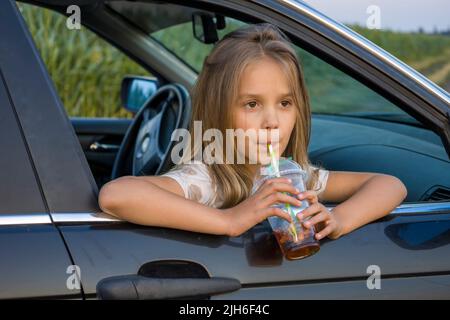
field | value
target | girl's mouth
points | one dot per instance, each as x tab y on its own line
274	144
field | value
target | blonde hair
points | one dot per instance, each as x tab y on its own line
217	87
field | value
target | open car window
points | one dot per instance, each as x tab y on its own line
417	33
180	40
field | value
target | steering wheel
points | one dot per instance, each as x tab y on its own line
147	145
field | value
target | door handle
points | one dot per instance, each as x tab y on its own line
137	287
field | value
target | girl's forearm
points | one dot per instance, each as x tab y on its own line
375	199
145	203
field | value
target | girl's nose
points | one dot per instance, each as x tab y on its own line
271	119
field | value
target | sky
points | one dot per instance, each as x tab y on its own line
398	15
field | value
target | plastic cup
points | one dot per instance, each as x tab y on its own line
294	240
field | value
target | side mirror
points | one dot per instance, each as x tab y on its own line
205	26
136	90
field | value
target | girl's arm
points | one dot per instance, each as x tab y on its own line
365	197
159	201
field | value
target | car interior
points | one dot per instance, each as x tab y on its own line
364	132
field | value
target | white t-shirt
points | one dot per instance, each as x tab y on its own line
197	184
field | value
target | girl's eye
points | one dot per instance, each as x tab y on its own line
285	103
251	105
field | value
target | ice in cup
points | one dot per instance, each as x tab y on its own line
295	240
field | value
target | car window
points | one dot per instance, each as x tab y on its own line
180	40
415	31
331	90
86	70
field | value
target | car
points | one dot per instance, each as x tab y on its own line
56	243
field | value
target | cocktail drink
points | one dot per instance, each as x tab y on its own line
295	240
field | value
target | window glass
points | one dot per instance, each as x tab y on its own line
415	31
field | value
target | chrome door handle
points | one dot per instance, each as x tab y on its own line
96	146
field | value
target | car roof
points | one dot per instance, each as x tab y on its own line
152	17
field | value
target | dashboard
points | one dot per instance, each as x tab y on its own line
414	155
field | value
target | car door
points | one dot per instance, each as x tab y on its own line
402	256
34	261
408	250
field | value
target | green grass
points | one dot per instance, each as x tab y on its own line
427	53
87	71
408	47
332	91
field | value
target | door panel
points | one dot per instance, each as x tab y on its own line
33	257
403	246
35	264
428	287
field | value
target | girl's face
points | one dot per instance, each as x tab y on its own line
265	102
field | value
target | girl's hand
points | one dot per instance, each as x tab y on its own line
257	207
325	223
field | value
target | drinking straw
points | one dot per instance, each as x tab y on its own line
276	168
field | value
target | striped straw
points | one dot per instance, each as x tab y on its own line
276	169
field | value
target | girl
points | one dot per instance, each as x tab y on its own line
251	80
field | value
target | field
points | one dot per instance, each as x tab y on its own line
427	53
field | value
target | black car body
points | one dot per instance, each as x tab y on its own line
50	220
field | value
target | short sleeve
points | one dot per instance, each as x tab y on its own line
321	181
196	183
